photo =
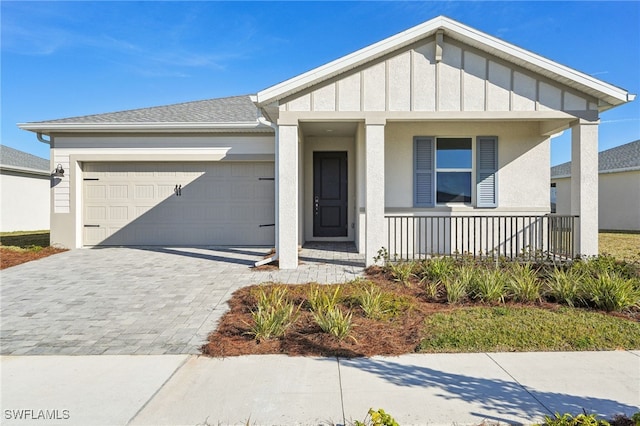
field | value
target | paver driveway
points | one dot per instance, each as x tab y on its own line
138	300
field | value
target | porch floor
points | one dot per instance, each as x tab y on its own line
337	259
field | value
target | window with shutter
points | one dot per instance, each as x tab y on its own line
487	167
423	172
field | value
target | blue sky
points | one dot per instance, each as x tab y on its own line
64	59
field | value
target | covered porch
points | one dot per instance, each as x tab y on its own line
367	203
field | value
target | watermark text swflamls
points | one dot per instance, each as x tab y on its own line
31	414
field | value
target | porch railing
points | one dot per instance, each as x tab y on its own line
526	237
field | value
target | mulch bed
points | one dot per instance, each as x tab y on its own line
396	336
9	257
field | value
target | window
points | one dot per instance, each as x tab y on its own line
453	170
444	171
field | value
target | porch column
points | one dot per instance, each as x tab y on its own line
584	185
374	193
287	196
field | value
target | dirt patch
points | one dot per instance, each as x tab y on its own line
12	256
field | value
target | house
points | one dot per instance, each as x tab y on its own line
618	188
402	144
24	191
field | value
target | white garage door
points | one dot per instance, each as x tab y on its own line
178	204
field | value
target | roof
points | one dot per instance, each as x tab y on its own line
13	159
611	95
622	158
241	114
236	112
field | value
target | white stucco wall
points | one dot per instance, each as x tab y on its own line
618	196
522	153
25	202
563	196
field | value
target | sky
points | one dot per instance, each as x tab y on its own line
66	59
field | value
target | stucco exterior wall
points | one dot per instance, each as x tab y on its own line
563	196
25	202
522	153
71	151
466	79
618	200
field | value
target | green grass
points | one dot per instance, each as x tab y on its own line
25	239
622	246
512	328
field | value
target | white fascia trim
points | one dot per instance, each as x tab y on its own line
424	30
25	170
53	127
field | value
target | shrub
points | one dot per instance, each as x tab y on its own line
401	271
322	299
489	286
334	322
579	420
565	286
523	283
612	292
604	264
377	418
437	268
379	305
273	314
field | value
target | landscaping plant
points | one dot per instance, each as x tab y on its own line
565	285
489	286
612	292
567	419
334	321
273	315
523	283
321	298
377	418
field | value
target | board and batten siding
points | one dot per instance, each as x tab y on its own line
464	80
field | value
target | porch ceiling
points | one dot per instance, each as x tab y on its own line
329	129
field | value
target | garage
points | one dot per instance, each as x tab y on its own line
178	204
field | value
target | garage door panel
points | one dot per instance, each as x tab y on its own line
220	204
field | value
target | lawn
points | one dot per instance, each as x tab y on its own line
623	246
23	246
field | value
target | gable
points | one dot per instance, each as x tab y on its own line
462	79
443	65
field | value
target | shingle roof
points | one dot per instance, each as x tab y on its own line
621	158
236	109
14	158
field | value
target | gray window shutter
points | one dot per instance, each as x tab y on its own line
486	172
423	166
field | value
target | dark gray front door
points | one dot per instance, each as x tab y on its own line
330	194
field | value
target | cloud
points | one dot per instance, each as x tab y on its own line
620	120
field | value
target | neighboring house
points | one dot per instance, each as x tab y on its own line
386	147
24	191
618	188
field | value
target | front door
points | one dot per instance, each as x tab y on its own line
330	194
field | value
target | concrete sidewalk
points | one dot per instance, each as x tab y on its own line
438	389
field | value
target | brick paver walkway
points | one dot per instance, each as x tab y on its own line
140	300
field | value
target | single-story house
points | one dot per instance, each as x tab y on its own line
618	188
402	144
25	182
